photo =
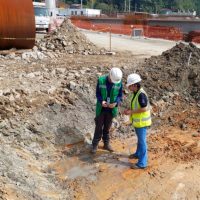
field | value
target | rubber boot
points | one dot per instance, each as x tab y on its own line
133	156
94	149
108	147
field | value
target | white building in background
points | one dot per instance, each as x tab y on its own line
75	10
83	12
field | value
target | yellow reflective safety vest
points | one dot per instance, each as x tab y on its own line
140	120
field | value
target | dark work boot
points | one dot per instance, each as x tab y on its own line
94	149
108	147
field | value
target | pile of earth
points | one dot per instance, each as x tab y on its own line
68	39
172	82
175	71
65	39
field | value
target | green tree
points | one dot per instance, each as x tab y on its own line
153	6
184	4
197	6
104	7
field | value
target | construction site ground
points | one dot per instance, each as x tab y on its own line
47	122
128	43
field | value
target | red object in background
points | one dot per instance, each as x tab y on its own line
169	33
17	24
194	36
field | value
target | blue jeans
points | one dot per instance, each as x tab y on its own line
141	151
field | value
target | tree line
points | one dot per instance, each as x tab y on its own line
151	6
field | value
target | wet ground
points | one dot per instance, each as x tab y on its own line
108	175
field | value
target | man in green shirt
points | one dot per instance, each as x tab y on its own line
109	95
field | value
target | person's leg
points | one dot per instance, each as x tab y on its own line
106	131
135	155
99	121
142	147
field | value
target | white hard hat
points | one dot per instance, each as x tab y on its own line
132	79
115	75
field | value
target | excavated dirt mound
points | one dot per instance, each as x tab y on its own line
176	70
67	39
172	82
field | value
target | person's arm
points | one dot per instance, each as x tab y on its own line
143	101
98	93
139	110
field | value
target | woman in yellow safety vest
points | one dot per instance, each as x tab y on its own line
140	118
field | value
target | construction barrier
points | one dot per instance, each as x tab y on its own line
170	33
194	36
